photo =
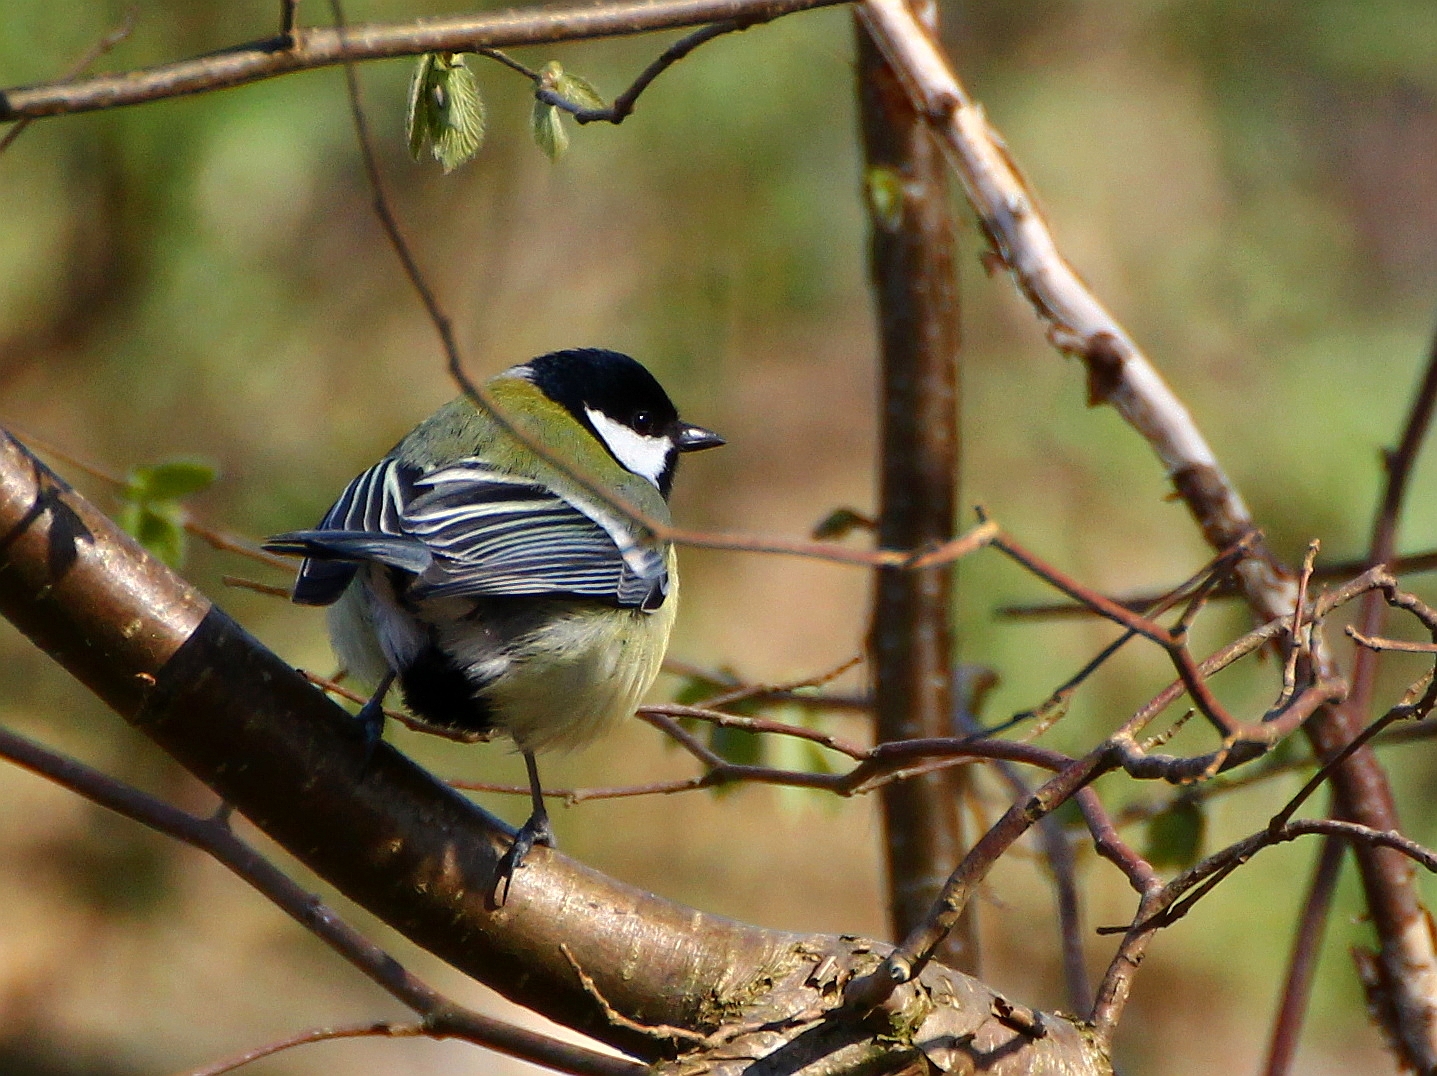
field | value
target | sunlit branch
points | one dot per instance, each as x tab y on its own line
307	47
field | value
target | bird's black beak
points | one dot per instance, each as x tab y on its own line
693	438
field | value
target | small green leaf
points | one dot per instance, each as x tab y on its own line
885	197
549	133
579	90
158	527
840	523
416	122
170	480
445	110
1175	835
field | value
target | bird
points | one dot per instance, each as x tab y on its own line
504	589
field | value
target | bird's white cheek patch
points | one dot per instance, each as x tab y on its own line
646	456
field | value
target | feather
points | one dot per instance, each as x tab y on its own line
468	530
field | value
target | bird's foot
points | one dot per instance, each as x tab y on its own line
535	831
370	721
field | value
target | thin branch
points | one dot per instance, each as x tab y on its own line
213	836
94	53
1302	963
311	47
1058	852
1240	852
1227	588
383	1029
623	105
225	541
1398	463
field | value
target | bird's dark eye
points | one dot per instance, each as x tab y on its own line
645	423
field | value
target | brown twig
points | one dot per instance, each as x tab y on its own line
1302	963
1058	852
383	1029
225	541
1227	588
95	51
334	687
624	103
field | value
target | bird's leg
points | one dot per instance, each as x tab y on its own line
371	717
534	831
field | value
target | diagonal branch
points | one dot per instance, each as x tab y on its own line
1405	991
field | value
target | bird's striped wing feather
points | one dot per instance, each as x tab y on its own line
476	532
498	534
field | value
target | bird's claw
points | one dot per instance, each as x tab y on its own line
535	831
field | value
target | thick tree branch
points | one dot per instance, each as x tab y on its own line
422	858
305	48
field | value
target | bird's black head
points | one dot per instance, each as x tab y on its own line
623	406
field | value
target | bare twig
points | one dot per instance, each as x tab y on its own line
1058	851
97	50
225	541
623	105
383	1029
1302	963
1227	588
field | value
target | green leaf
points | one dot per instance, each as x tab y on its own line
416	122
445	110
170	480
885	197
548	129
578	89
840	523
158	527
1175	835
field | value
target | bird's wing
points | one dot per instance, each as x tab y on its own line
364	524
468	530
492	533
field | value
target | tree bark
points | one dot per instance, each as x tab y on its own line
911	260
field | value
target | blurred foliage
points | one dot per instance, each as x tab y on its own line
1252	189
1175	835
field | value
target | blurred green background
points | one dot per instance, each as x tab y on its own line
1253	192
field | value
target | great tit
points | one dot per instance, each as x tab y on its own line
498	591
